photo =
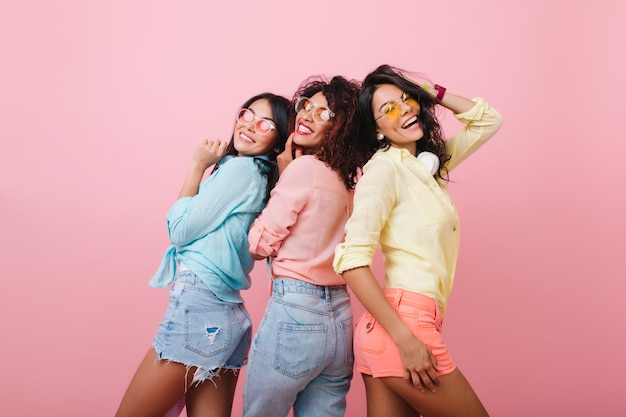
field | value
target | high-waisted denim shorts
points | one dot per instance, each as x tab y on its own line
200	330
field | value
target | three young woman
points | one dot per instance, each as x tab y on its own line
301	356
205	336
401	205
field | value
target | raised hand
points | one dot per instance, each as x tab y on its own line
208	153
283	159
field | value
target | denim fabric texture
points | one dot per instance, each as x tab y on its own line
200	330
301	355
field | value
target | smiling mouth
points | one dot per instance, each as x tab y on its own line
246	138
413	120
304	130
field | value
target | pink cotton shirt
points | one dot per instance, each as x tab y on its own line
303	222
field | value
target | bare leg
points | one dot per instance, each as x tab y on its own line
454	397
177	409
382	401
213	398
156	387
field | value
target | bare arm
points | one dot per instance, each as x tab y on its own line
456	103
208	153
418	361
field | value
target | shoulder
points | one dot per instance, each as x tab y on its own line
241	166
303	166
236	162
383	161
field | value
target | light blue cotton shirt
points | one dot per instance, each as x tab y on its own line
209	231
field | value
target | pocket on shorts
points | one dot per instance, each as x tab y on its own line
300	349
422	325
373	335
207	330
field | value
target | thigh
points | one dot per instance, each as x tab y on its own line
454	397
155	388
383	401
324	396
213	397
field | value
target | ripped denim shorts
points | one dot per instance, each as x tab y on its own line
200	330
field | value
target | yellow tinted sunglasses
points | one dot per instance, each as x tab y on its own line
393	109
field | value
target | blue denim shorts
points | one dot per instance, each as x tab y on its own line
200	330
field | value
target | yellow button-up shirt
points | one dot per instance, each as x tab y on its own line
399	205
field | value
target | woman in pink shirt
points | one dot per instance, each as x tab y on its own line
301	356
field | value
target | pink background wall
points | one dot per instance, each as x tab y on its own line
103	103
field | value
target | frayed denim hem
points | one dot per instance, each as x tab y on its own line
201	374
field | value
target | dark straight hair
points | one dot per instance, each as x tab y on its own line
283	117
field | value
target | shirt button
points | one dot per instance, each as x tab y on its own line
368	325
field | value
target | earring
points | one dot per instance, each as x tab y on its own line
380	136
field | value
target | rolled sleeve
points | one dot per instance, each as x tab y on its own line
262	241
481	123
350	257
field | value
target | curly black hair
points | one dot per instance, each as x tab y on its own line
433	140
341	149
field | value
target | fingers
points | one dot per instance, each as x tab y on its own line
432	372
429	379
424	377
428	376
415	380
423	380
284	158
209	152
216	146
289	147
408	377
434	362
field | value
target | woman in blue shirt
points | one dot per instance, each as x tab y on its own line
204	338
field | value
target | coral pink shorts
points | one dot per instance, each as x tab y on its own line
375	351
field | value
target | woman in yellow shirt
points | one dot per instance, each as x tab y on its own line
402	205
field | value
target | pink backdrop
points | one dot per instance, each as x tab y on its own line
102	104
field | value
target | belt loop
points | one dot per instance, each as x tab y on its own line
397	297
438	315
327	293
278	287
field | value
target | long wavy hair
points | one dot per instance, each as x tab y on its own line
433	140
341	148
284	119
